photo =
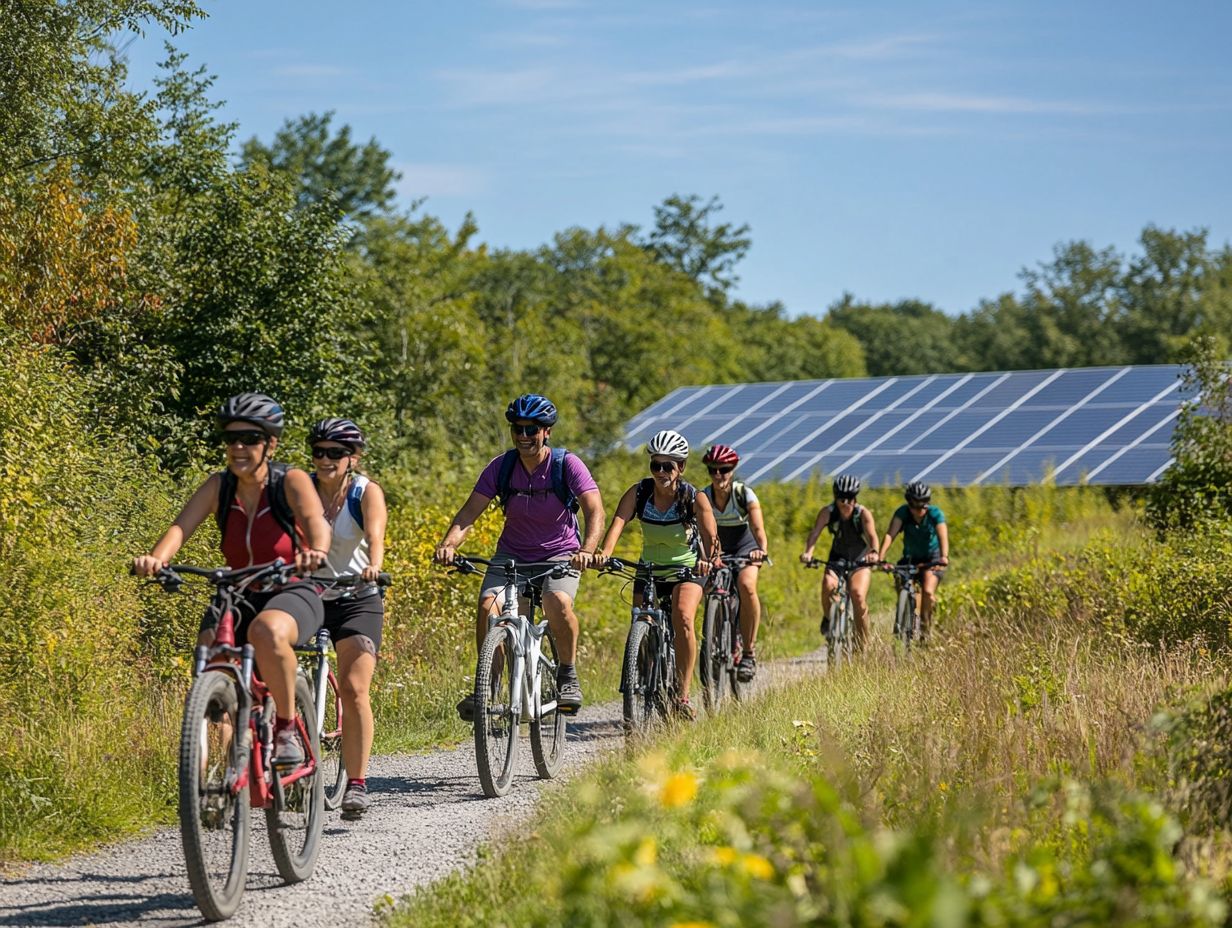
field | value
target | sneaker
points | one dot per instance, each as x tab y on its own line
466	708
569	695
355	800
825	626
685	711
288	751
746	670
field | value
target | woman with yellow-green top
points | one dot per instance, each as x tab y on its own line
673	514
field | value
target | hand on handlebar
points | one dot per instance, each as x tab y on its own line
757	556
582	560
309	559
444	555
146	566
371	574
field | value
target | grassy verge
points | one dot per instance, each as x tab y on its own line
1016	774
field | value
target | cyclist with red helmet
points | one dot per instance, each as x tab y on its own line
742	533
264	511
541	488
854	539
355	616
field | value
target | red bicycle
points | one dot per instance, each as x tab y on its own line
226	748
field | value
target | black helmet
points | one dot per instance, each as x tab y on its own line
534	407
918	492
257	408
846	485
343	431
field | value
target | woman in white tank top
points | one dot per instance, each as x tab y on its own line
355	509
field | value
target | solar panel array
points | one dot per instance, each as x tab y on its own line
1099	425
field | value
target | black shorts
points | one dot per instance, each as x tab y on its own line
736	540
300	600
664	589
365	616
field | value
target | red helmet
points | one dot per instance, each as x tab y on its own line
721	454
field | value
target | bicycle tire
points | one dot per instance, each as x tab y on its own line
638	704
295	823
904	619
834	649
729	639
214	823
333	765
496	718
547	732
712	665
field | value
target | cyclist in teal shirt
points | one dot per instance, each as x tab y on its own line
926	540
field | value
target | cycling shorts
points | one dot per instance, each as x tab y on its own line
738	543
299	599
365	616
494	579
938	571
664	589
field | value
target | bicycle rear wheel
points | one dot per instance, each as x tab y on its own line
733	647
712	663
214	817
834	638
639	678
496	717
547	732
333	767
295	822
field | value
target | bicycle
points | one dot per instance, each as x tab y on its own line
514	680
648	673
226	750
721	646
328	698
838	626
906	613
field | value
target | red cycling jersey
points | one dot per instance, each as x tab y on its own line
258	540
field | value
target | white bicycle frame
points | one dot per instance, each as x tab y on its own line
527	650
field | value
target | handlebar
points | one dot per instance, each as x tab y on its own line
525	570
644	570
842	566
171	577
345	580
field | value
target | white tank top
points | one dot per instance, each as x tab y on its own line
348	548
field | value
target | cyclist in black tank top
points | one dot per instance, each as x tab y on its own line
855	539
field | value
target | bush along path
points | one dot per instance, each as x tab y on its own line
427	820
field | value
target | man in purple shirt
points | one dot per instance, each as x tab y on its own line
538	527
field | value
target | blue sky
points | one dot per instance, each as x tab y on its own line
891	150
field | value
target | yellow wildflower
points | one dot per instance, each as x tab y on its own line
723	856
647	852
757	866
679	790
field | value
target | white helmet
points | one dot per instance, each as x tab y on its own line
669	444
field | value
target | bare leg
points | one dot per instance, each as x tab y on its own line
829	586
857	585
685	599
272	635
356	664
558	608
750	606
928	600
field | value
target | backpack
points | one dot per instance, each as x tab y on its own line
833	522
741	494
276	494
354	501
686	493
560	486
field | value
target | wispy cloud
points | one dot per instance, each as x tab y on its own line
420	179
521	40
498	88
884	48
979	103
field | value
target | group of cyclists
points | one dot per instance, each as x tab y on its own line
331	523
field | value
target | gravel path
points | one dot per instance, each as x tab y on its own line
427	818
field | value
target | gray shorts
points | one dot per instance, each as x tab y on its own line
494	579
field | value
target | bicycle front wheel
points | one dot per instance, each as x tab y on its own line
496	717
295	823
712	663
547	731
904	619
837	641
733	646
214	817
333	767
639	678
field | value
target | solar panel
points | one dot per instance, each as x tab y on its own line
1100	425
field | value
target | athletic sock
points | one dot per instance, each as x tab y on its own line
567	672
357	783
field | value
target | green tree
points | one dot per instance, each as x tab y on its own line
687	237
908	337
773	347
327	167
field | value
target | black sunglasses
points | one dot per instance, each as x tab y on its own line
917	504
528	431
247	437
720	470
334	454
845	497
662	467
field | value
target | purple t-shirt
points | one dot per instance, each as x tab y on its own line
537	526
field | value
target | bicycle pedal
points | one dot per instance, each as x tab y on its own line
568	710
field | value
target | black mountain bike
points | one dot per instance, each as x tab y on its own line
839	624
906	615
721	646
648	675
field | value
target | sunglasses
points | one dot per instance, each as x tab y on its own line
720	470
526	431
334	454
247	437
845	498
662	467
917	504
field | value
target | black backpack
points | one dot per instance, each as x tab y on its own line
276	493
833	524
686	494
560	486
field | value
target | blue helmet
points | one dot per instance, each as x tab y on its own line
534	407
